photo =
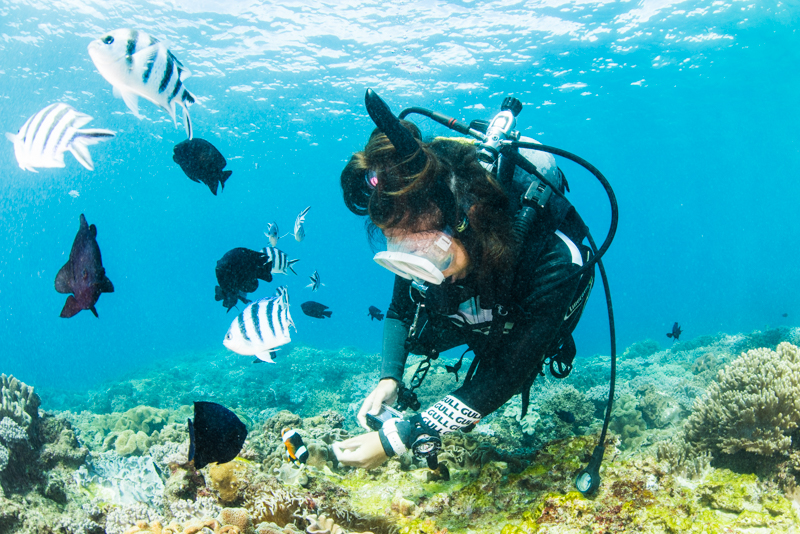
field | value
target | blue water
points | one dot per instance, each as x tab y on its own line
689	108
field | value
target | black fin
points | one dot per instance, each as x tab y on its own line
213	186
71	307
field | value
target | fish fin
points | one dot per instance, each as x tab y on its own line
327	313
192	445
131	100
71	307
81	153
94	311
63	278
106	286
225	176
11	137
669	335
92	136
213	186
290	263
258	361
266	356
81	119
187	121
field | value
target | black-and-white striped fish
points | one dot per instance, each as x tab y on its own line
136	64
315	281
43	139
299	232
280	261
261	327
272	233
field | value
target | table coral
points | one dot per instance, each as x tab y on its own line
753	405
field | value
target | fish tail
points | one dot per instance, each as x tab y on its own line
79	146
225	176
327	313
186	99
290	263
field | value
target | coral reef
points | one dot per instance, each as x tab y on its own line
19	402
753	405
121	480
510	475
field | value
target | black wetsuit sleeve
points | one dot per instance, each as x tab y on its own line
508	364
395	331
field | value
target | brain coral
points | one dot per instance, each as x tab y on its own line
753	406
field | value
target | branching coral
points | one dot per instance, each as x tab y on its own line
753	406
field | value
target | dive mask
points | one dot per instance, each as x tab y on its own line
418	256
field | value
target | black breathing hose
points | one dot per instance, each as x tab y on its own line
589	478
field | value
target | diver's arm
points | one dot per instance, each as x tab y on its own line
393	361
394	353
395	331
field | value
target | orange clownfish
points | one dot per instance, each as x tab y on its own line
295	448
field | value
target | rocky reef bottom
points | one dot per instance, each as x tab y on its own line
125	472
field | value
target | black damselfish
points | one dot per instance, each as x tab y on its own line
238	273
375	313
216	435
566	416
676	332
315	309
83	275
201	162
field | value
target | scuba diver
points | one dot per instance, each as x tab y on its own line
488	253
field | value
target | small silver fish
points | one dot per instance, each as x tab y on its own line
43	139
299	232
272	233
136	64
315	281
261	327
280	261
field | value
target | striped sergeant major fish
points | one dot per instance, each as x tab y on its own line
272	233
280	261
315	281
136	64
43	139
261	327
299	232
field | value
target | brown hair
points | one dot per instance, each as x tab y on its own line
451	185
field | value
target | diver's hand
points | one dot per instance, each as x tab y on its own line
363	451
386	391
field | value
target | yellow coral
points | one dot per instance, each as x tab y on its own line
228	479
235	517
